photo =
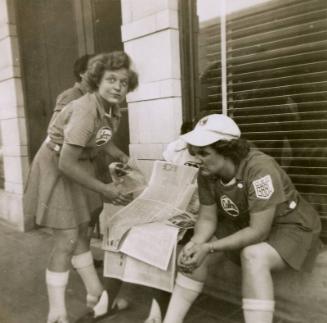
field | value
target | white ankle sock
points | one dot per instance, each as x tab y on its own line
56	286
85	267
185	292
258	310
155	313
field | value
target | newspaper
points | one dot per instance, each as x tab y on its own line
167	195
140	239
121	266
145	242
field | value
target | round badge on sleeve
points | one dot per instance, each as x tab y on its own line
104	134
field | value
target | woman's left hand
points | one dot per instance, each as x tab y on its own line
194	257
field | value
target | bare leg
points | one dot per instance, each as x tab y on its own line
58	271
258	292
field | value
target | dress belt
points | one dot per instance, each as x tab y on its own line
52	145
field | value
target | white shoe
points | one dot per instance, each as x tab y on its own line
153	320
62	319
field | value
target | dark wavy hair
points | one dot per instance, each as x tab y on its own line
235	149
110	62
80	66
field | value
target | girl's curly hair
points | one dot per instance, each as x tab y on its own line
110	62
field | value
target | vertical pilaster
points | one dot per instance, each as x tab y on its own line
151	37
12	122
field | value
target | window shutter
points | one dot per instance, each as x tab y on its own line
209	67
277	88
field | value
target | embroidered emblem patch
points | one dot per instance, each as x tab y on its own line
263	187
104	134
229	206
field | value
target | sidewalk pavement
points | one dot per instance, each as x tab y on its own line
23	298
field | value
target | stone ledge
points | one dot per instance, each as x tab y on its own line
136	10
300	297
156	90
155	122
167	19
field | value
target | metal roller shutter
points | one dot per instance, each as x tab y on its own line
277	86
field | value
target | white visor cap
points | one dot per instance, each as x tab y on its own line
212	128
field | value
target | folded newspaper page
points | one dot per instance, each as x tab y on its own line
121	266
140	239
152	243
167	195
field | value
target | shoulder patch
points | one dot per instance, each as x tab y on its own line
263	187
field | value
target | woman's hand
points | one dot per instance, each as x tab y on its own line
114	196
192	256
124	159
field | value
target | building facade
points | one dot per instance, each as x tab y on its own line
265	65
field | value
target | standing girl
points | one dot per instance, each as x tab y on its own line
63	191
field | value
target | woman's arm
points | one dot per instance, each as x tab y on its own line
69	164
203	231
115	152
206	223
257	231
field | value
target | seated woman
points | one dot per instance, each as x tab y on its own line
260	220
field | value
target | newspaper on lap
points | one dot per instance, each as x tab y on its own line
140	240
167	195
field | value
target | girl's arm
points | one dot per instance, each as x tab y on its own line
70	165
115	152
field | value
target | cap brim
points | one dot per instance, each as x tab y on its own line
201	137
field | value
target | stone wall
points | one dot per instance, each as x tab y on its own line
12	122
150	35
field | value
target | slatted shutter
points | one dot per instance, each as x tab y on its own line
210	67
277	88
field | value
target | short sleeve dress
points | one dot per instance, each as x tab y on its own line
71	94
260	183
54	199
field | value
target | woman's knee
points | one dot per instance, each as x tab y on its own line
255	255
200	273
66	241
